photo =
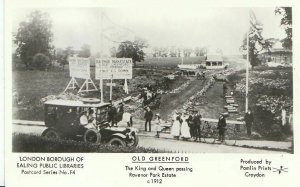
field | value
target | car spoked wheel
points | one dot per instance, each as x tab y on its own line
132	140
117	142
51	133
92	136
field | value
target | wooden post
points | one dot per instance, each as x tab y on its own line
247	73
110	94
101	84
101	48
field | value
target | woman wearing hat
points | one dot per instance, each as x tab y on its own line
175	131
157	123
185	129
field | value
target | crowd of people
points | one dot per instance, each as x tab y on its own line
186	125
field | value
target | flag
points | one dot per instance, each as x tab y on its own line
256	27
125	87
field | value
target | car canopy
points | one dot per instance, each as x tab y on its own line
74	103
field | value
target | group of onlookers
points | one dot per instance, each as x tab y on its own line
115	115
186	125
148	118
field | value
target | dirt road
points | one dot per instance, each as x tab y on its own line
172	101
166	144
196	147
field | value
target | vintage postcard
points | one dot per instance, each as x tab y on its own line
151	93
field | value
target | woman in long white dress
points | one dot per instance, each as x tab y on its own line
185	129
175	131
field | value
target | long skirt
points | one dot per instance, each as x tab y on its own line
175	131
185	130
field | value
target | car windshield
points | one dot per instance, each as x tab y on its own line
64	115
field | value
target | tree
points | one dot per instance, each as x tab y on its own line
173	52
62	55
34	36
15	60
40	61
113	52
134	50
286	22
85	51
187	52
268	44
203	51
197	51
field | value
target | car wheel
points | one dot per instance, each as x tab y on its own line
92	136
51	133
117	142
134	142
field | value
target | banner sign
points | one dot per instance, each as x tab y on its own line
79	67
115	68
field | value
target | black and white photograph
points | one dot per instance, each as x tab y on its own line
142	93
121	80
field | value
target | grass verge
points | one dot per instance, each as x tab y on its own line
38	144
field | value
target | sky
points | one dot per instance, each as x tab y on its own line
191	27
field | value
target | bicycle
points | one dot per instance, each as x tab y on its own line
230	135
209	133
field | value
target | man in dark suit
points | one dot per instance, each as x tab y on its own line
249	121
112	114
221	127
148	117
197	124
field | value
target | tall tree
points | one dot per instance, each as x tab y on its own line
286	22
134	50
85	51
34	36
203	51
187	52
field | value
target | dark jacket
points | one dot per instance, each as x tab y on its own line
190	121
222	124
112	112
197	120
249	118
148	115
121	108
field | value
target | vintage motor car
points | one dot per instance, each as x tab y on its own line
62	118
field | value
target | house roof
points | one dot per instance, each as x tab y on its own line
214	58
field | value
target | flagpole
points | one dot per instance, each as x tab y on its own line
101	43
247	72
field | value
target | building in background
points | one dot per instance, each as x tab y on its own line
277	56
214	62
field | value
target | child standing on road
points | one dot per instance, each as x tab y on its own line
157	123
